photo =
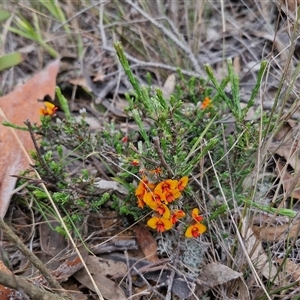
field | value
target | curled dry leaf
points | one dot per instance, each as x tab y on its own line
17	107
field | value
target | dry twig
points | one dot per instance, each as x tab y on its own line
33	258
35	293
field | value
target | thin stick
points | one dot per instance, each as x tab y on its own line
35	293
129	278
37	149
173	272
150	288
32	257
145	64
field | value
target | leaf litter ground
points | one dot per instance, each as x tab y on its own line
98	85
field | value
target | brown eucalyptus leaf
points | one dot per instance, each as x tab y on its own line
17	107
146	242
108	267
275	233
216	274
290	268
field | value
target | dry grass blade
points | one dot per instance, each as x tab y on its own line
180	43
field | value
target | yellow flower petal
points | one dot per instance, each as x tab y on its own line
195	230
195	211
48	110
166	186
182	183
152	222
189	232
164	211
160	224
49	105
195	215
177	214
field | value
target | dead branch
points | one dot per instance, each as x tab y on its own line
32	257
35	293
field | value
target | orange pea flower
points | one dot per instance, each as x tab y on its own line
195	215
124	139
135	162
206	103
157	205
155	171
167	185
154	197
163	210
143	187
140	203
161	224
172	195
48	110
177	214
195	230
182	183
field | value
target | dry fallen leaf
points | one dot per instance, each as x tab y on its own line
169	86
216	274
108	267
292	4
286	143
290	268
17	107
81	81
109	289
278	232
146	241
257	254
291	183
